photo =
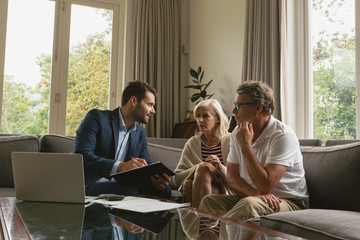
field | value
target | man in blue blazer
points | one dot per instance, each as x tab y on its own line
112	141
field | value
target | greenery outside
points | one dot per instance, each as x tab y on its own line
88	87
334	84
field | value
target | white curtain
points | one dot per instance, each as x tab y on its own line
157	54
263	55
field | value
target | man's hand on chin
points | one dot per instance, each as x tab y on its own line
160	182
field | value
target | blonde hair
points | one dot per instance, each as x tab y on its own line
215	107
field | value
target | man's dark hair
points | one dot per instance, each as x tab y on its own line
260	93
137	89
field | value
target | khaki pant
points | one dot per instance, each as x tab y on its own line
244	209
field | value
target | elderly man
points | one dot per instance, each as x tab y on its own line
264	166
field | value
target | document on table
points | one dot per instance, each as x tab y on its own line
143	205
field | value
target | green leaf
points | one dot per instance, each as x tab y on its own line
195	81
207	85
203	93
193	73
190	86
197	87
209	96
199	70
201	76
195	97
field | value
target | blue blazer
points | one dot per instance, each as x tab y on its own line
97	138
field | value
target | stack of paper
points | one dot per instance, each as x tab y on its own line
143	205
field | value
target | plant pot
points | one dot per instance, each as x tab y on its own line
189	116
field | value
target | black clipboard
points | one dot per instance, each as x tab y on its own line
142	174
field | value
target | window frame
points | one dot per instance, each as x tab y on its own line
357	65
3	25
60	55
299	69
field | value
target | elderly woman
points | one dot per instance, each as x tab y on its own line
202	167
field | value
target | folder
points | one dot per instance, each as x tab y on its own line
142	174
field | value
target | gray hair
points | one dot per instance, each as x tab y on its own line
260	93
217	110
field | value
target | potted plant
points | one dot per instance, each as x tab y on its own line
199	85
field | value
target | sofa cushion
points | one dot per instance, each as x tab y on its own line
333	176
169	156
9	144
310	142
56	143
315	223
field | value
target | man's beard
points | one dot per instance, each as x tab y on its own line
140	116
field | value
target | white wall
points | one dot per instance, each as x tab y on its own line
215	41
212	36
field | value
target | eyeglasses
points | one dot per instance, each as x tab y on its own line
238	105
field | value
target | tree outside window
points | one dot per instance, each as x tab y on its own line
334	83
88	87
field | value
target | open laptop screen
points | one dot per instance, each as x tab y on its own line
48	177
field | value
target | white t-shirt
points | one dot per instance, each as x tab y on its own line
277	144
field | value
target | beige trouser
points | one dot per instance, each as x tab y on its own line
243	209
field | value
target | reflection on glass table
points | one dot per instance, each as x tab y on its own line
197	225
97	221
59	220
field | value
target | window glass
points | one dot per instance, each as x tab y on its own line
334	82
25	103
89	63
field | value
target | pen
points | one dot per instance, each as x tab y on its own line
144	163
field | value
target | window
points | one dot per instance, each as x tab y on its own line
25	102
59	64
333	69
89	63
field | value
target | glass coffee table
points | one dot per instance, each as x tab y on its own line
35	220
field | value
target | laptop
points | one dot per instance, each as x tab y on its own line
48	177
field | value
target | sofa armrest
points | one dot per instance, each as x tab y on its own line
9	144
332	176
169	142
315	223
56	143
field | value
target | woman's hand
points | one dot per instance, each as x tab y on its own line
214	161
